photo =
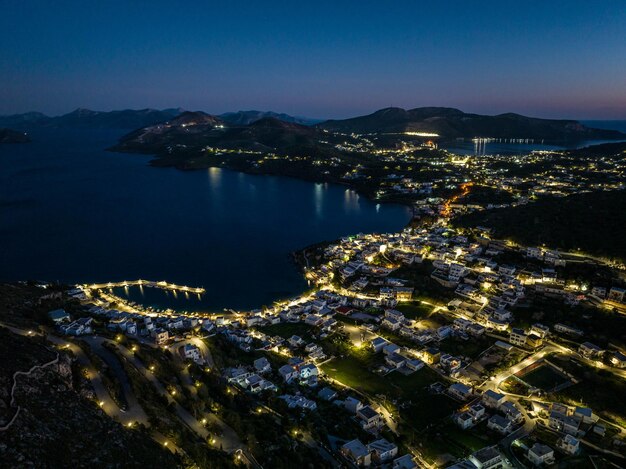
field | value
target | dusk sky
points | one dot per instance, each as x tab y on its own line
317	59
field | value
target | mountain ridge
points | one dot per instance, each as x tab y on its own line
446	122
454	123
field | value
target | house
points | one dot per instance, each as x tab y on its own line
161	336
499	424
535	253
391	324
175	323
404	462
391	349
403	293
444	332
464	420
131	327
254	383
585	415
295	341
414	364
288	373
313	320
477	411
312	347
533	340
540	454
460	391
192	352
565	329
298	401
616	294
517	337
378	344
539	329
476	329
449	362
262	365
618	360
562	423
395	360
487	458
370	419
599	292
295	361
512	413
327	394
431	355
59	316
79	327
383	450
253	321
356	452
590	351
309	374
568	444
352	405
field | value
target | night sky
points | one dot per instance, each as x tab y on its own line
317	59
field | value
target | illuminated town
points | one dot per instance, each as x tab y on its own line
418	263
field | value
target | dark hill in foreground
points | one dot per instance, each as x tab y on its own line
453	123
594	222
58	423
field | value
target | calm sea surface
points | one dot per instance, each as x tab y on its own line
72	212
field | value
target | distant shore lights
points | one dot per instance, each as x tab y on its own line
421	134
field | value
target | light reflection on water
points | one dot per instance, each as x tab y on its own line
73	212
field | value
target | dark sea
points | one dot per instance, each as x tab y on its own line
72	212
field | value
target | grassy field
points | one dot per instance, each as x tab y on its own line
354	371
415	310
545	377
288	329
466	348
353	374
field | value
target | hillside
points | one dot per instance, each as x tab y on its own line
453	123
248	117
12	136
199	130
593	222
59	424
86	118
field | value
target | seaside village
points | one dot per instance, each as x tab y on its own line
423	336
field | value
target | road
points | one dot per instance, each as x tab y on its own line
229	440
106	402
180	359
134	411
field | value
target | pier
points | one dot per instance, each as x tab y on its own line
145	283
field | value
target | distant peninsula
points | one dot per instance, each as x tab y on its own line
13	136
